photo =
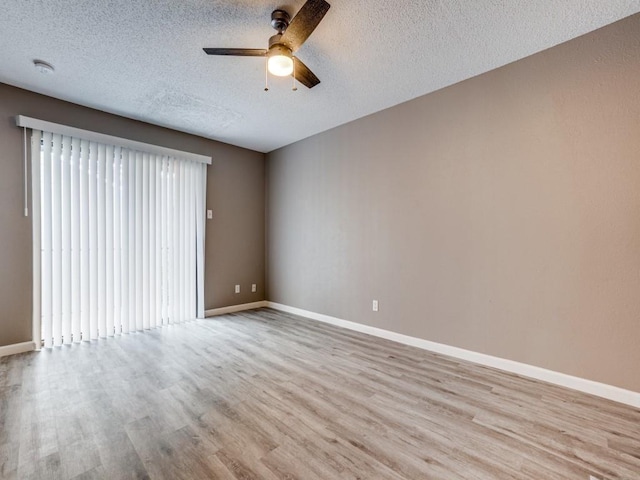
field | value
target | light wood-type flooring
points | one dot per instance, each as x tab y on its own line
266	395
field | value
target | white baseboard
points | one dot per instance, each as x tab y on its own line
603	390
234	308
16	348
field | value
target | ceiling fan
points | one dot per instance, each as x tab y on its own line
292	33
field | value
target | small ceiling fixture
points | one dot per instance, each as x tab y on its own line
292	33
280	61
43	67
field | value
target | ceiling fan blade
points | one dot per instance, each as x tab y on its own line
304	75
238	52
304	23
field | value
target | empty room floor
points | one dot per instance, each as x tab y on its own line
266	395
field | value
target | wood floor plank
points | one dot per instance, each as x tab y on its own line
118	458
267	395
9	460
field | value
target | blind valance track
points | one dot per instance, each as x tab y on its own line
36	124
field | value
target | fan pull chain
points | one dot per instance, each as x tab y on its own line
266	75
294	75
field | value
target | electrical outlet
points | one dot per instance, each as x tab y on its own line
254	288
209	214
237	288
374	306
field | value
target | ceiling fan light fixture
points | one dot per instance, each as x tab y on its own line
280	65
280	61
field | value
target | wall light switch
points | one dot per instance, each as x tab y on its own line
237	288
254	288
209	214
374	305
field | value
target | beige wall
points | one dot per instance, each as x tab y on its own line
235	192
500	215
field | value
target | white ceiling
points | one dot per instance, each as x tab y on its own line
144	59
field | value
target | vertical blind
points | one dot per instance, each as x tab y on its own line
118	238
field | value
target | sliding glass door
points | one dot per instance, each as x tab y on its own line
118	238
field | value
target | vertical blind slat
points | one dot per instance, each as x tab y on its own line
183	250
151	242
158	240
175	246
108	253
102	240
117	243
125	240
200	228
171	236
36	208
75	241
65	165
138	244
144	225
85	254
132	241
47	257
93	240
164	208
56	239
190	214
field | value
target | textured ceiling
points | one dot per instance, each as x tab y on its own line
144	59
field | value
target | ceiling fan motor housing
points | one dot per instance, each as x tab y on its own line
279	49
280	20
275	40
